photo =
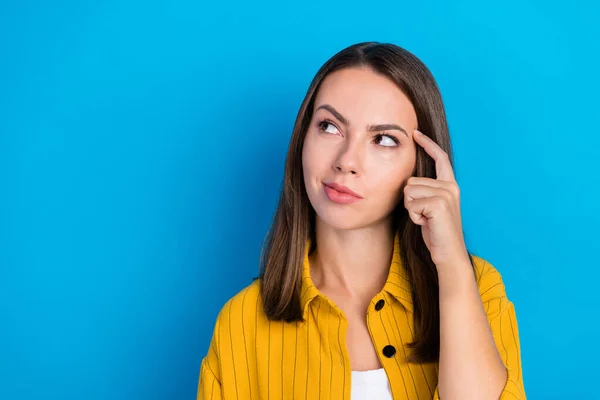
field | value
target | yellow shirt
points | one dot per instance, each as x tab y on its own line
251	357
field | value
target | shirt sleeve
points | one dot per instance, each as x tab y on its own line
502	318
209	385
506	335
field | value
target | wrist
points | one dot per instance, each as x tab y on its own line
457	279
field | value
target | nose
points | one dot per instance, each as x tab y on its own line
349	159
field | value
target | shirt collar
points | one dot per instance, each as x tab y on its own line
397	283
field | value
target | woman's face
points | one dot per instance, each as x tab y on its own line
360	137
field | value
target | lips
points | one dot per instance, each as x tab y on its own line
340	194
342	189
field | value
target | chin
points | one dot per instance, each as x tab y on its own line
340	219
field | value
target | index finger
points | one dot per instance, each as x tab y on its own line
443	168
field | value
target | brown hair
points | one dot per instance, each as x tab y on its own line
293	223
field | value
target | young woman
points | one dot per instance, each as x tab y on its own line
366	288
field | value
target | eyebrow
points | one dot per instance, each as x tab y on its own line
370	128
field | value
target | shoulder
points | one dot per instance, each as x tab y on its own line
246	302
240	320
489	280
242	313
235	320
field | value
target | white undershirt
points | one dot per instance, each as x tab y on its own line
370	385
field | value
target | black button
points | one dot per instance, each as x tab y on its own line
379	305
389	351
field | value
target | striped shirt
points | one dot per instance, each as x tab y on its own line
250	357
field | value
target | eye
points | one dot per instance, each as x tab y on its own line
325	125
386	140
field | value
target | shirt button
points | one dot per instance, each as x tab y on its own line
379	305
389	351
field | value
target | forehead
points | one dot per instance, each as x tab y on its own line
366	97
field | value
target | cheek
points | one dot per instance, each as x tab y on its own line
308	166
388	183
313	158
306	162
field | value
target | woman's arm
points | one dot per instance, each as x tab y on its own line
479	342
470	364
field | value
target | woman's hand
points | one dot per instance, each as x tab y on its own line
434	204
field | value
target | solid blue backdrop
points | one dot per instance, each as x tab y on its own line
142	146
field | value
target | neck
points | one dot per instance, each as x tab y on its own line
354	263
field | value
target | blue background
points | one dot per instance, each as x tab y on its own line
142	147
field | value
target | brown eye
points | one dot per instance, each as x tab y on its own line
386	140
325	125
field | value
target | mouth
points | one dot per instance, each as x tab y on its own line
340	194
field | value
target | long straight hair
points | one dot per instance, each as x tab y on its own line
282	254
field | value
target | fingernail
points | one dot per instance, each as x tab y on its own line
418	132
